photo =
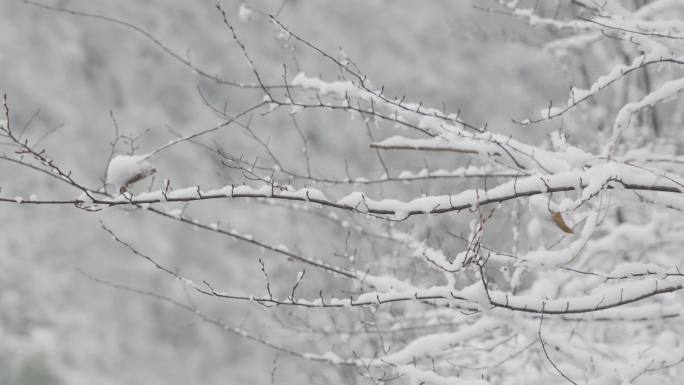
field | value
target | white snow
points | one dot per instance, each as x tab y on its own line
245	13
127	169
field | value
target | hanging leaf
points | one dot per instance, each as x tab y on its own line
560	222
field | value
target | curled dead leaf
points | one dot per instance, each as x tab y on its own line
139	176
560	222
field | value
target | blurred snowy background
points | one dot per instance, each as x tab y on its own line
68	72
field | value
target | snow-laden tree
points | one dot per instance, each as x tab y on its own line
489	258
